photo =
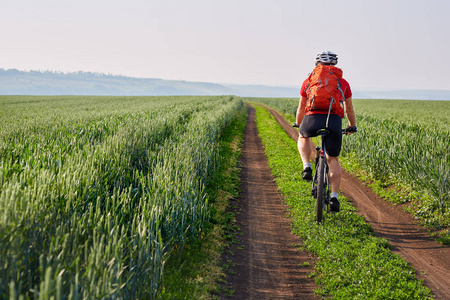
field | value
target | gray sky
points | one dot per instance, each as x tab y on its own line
381	44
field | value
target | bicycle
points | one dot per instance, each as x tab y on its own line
320	183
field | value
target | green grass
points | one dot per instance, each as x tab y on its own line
352	263
97	192
196	273
432	115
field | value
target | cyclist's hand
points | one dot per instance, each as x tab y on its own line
351	129
294	125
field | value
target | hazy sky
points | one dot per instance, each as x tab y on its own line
381	44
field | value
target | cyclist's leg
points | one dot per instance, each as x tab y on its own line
308	129
334	173
334	177
304	148
333	142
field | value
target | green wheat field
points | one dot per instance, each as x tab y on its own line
96	193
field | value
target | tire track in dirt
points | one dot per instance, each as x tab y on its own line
412	242
266	264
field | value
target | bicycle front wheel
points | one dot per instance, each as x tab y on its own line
321	192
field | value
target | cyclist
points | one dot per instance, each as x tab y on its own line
311	121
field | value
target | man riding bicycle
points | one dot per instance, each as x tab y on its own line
312	116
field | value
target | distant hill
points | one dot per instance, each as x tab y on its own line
15	82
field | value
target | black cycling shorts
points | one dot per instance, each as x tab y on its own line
333	141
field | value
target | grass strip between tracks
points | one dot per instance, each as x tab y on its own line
352	262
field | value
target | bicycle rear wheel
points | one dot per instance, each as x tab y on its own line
321	192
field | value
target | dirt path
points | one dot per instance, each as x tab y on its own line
412	242
266	264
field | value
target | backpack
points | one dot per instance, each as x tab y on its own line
324	90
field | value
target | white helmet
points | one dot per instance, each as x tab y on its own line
327	58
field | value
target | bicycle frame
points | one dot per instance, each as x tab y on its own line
320	184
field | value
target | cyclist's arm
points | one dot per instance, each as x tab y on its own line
301	110
348	105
